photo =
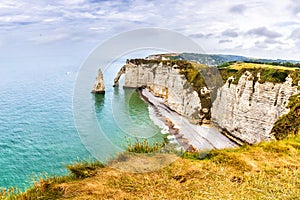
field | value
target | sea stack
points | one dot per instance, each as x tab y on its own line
99	87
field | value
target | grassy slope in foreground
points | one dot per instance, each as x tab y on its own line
263	171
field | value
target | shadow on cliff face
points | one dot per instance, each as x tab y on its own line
213	80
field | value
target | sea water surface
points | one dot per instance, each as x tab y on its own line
38	134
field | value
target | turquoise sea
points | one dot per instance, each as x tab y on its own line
38	133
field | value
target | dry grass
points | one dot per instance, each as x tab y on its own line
268	73
239	66
263	171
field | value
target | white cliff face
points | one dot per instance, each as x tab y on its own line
99	86
249	109
166	82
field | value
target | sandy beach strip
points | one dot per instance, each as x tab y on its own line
188	135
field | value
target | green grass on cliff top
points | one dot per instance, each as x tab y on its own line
269	170
194	71
268	73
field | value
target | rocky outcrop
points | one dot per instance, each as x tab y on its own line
164	80
249	109
120	72
99	87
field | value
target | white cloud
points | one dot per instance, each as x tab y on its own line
73	2
50	20
295	35
239	9
16	18
218	26
263	31
230	33
10	4
48	38
225	41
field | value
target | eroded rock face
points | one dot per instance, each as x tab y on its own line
99	87
249	109
164	81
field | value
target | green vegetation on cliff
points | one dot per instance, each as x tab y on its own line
268	73
144	147
269	170
289	124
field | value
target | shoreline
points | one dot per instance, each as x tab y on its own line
189	136
163	122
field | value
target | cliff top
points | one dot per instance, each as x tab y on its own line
182	64
241	65
191	70
267	72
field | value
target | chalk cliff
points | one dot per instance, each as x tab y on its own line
164	79
245	109
99	87
249	109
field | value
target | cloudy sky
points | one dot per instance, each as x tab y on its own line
262	28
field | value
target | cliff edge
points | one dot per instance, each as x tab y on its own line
167	79
249	109
246	106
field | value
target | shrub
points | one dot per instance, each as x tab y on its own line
84	169
144	147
